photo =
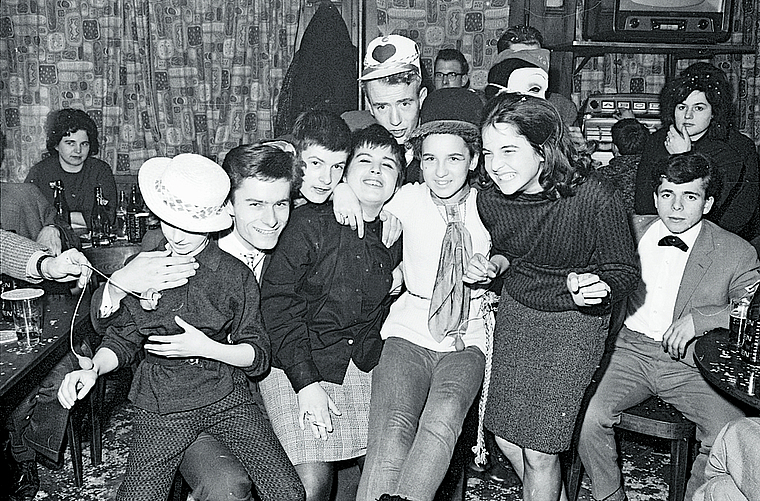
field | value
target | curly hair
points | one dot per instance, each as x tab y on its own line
63	122
717	91
539	122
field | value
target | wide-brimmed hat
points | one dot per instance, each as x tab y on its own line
187	191
453	110
390	55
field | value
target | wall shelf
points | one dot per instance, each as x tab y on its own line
673	52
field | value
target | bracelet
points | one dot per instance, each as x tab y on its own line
39	264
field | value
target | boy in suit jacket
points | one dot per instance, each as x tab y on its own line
690	268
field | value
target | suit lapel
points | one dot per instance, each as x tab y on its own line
699	262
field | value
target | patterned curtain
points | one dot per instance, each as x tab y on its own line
159	77
472	27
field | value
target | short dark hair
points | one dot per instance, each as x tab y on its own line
322	128
260	161
519	34
540	123
714	84
630	136
63	122
685	168
453	55
376	136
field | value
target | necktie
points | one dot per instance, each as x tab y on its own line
450	302
674	241
254	261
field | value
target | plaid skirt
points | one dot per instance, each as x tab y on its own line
348	439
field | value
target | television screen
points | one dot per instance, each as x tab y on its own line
672	5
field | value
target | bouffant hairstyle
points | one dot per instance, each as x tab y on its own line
63	122
717	91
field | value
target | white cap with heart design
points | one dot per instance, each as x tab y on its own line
389	55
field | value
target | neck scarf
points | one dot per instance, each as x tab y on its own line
450	302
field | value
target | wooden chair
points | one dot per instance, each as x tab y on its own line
655	418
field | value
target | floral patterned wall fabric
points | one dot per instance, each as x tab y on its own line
471	26
474	26
159	77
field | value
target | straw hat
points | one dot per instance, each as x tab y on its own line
187	191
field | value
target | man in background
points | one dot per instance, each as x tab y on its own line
451	69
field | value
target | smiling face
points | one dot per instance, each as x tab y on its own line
694	115
372	176
445	163
73	150
183	243
681	206
322	171
395	106
260	210
510	160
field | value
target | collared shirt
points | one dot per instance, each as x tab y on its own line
650	309
324	296
253	258
222	301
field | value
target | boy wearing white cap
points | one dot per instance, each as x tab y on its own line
392	82
195	338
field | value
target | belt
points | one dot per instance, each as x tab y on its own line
158	360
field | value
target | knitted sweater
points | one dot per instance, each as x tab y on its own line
545	240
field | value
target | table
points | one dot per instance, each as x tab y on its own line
21	373
721	365
111	257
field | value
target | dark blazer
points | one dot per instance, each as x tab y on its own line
721	265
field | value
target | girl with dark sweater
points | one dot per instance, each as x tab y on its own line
561	240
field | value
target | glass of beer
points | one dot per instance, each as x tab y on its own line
27	316
737	323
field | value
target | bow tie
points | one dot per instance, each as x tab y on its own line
674	241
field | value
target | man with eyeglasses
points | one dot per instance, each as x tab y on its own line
451	69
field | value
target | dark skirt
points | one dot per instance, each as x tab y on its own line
542	364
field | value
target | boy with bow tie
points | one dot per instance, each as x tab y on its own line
690	269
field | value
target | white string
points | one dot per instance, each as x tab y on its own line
488	307
79	301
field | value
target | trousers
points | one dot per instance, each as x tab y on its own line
733	467
638	369
159	441
419	401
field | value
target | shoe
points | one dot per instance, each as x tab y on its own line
500	472
26	481
388	497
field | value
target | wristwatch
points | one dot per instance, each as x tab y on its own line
39	264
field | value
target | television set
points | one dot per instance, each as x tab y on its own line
667	21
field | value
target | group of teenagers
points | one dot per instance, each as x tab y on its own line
328	296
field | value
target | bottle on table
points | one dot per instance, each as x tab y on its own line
750	349
100	220
120	225
63	214
133	208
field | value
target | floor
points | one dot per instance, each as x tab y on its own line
645	465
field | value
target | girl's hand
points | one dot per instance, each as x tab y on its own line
314	407
75	386
480	270
192	343
392	228
347	209
677	142
587	289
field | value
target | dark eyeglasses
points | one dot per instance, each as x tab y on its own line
438	75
